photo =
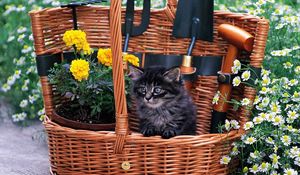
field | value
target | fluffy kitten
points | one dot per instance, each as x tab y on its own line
163	105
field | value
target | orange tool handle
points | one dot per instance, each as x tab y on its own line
225	89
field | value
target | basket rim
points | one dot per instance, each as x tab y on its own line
195	140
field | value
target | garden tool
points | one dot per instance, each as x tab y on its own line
69	56
237	39
128	29
73	5
194	19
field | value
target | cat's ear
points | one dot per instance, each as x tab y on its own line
172	74
135	72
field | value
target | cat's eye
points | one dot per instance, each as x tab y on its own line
142	90
157	90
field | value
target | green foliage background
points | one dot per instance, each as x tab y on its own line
10	51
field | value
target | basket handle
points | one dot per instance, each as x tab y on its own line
122	128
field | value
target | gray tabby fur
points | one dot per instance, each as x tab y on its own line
164	106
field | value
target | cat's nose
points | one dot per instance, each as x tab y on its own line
147	98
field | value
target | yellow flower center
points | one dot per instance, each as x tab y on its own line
277	119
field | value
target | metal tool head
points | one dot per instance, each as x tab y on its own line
187	12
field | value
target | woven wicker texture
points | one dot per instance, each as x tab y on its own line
89	152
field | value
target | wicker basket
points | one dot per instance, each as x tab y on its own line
103	152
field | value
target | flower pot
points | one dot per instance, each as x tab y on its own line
79	125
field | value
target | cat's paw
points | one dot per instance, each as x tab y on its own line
149	132
168	134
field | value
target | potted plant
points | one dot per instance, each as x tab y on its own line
85	86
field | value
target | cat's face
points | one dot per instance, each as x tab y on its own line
155	86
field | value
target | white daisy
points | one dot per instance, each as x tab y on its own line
254	154
274	172
26	82
23	103
234	124
290	171
5	87
248	125
287	65
236	81
41	112
245	101
19	117
32	98
275	160
234	70
234	151
286	140
21	29
26	49
227	125
263	115
297	161
294	151
265	72
286	95
264	167
264	90
24	87
278	120
296	96
20	8
250	140
265	81
21	61
259	107
11	80
216	98
270	141
17	74
280	26
30	37
297	70
254	169
246	75
275	107
22	116
11	38
265	101
225	160
293	114
257	100
293	82
55	3
237	63
258	120
270	116
21	37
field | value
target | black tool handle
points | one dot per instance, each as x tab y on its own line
145	20
195	28
136	30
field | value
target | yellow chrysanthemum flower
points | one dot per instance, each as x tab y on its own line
86	49
80	69
105	57
78	39
131	59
